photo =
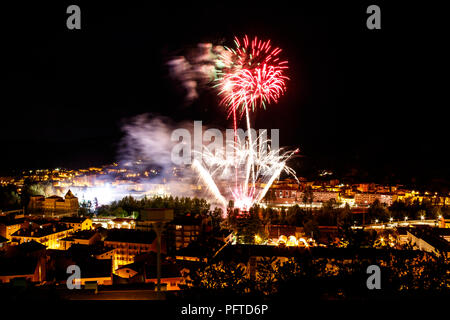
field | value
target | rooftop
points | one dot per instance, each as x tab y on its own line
83	250
443	231
17	266
73	219
40	232
11	222
168	269
432	238
130	236
81	235
187	220
28	247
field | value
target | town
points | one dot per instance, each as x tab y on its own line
158	244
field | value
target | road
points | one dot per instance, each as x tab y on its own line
134	294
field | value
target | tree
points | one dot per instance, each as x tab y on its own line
216	218
328	213
295	215
377	211
270	196
9	198
344	219
119	212
311	227
226	278
245	225
30	189
85	207
266	275
308	197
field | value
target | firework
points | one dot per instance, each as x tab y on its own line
208	180
251	188
252	75
249	76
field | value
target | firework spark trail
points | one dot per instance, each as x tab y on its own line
267	167
269	183
250	162
207	178
248	75
252	75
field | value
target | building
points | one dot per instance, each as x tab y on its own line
26	261
144	271
49	235
183	230
114	223
444	233
323	196
95	271
148	217
444	223
29	268
402	235
86	237
92	270
365	187
171	277
426	240
95	250
122	223
282	195
54	206
130	243
366	199
77	223
3	243
9	226
276	231
347	200
327	234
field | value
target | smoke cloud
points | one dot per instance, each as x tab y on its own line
147	146
195	69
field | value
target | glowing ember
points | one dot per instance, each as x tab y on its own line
252	75
267	166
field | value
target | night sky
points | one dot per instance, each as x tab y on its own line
372	100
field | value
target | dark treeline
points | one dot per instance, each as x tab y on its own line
253	223
9	198
130	206
332	214
311	278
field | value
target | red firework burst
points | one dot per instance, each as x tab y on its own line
252	75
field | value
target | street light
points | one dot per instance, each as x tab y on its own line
158	218
422	217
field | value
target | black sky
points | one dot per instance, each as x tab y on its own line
370	99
